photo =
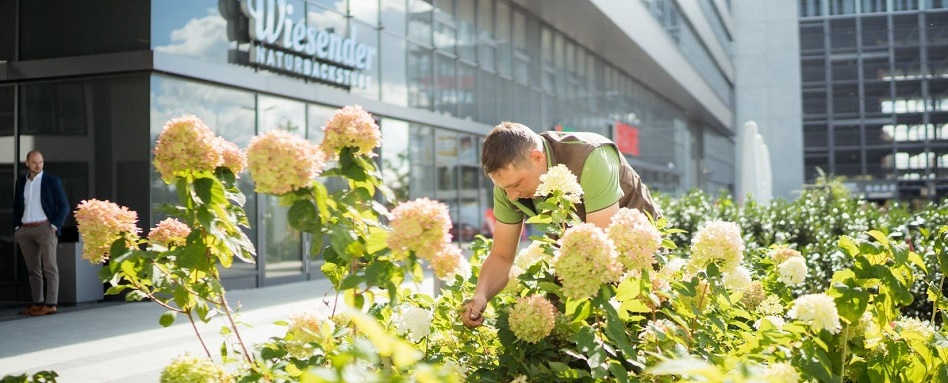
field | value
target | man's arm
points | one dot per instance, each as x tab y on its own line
603	218
494	273
62	204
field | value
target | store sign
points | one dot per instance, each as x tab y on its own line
626	138
280	44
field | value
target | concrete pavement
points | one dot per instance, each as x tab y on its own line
123	342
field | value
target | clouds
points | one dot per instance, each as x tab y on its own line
204	38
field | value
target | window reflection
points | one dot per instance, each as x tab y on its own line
394	72
419	21
282	243
395	157
194	28
421	160
419	77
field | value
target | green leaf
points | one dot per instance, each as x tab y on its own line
192	255
689	366
616	330
851	299
917	261
301	215
376	241
846	243
351	281
167	318
880	237
208	191
334	272
578	309
628	289
540	219
113	290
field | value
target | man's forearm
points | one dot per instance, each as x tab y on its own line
493	278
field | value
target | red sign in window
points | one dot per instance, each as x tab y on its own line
627	138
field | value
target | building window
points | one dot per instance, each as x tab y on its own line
810	8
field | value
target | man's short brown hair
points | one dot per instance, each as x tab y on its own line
509	143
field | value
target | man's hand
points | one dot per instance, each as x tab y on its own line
473	314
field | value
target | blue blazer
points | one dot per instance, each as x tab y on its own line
52	197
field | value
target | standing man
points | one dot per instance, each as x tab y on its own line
39	210
514	157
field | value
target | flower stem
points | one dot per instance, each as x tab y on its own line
842	359
196	332
233	325
941	291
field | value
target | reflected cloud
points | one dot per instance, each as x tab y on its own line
204	38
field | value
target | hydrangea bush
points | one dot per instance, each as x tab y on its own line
639	300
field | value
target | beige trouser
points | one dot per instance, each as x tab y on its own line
38	245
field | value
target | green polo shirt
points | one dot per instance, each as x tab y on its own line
600	183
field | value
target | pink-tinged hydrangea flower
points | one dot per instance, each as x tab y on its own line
717	241
188	369
185	144
737	279
781	254
413	322
100	224
560	178
753	295
419	225
448	262
586	259
817	309
636	239
170	232
532	318
792	271
782	372
352	127
281	162
233	158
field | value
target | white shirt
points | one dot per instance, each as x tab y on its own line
32	200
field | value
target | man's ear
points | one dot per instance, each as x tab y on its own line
538	156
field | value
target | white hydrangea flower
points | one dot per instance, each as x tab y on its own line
520	379
717	241
782	372
560	178
512	278
792	271
817	309
672	266
912	328
414	322
531	255
771	305
737	279
463	270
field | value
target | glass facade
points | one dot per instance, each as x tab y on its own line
875	91
437	74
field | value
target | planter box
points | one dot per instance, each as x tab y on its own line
78	279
